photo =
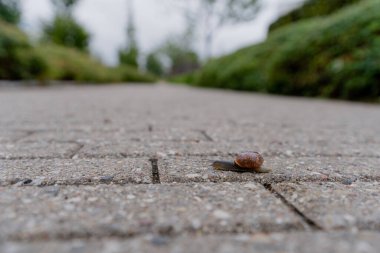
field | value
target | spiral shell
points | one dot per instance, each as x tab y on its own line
249	160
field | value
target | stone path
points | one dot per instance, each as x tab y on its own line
127	169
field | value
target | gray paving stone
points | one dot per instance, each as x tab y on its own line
207	148
283	133
7	135
116	135
110	210
74	171
338	242
335	205
284	169
34	150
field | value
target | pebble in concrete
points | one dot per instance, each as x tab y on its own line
334	205
42	172
110	210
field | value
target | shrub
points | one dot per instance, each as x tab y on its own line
154	65
337	57
18	60
71	64
310	9
10	11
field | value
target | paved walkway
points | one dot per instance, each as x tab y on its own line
127	169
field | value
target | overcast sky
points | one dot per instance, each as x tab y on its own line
106	21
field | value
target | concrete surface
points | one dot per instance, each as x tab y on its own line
128	168
339	242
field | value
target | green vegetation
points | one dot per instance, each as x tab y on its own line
153	65
311	8
10	11
336	56
65	31
70	64
19	60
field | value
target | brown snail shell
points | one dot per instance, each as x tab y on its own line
249	161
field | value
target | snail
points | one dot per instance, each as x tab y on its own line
244	162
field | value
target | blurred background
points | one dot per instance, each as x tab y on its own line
317	48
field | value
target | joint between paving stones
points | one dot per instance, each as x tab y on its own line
155	171
206	135
27	134
74	152
311	224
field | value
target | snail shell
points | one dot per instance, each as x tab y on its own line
249	160
244	162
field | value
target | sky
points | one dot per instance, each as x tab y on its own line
106	21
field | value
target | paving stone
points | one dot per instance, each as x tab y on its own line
284	169
34	150
116	135
110	210
207	148
266	132
335	205
11	135
74	171
338	242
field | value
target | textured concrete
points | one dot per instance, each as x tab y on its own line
341	242
336	206
103	210
127	168
284	169
42	172
32	150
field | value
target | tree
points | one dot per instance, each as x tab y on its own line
64	6
218	13
129	55
10	11
209	16
64	29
